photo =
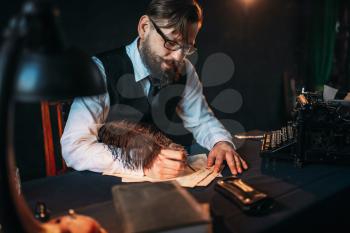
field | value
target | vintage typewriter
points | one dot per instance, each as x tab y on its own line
319	132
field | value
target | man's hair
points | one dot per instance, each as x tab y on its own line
179	13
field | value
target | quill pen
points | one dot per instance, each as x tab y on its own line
134	144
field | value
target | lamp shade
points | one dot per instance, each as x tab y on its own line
35	65
46	69
57	76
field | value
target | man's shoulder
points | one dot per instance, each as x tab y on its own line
190	69
111	53
188	63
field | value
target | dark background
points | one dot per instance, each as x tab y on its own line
264	40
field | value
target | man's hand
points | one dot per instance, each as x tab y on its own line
224	150
168	164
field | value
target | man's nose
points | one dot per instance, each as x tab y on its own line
178	55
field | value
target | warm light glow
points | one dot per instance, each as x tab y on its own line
248	2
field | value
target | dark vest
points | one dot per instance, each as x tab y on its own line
128	101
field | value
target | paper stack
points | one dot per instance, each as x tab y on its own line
202	176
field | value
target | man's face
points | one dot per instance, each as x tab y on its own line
164	63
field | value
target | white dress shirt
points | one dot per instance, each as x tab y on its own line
80	147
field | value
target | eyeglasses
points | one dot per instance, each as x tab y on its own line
172	45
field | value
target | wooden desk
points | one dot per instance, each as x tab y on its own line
312	198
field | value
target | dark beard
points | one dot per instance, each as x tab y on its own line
153	64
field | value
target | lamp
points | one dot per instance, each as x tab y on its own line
34	65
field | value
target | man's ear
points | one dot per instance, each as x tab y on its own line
143	26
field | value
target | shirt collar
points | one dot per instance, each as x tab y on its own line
140	71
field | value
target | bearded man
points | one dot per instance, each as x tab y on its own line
151	82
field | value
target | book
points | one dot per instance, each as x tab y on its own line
163	207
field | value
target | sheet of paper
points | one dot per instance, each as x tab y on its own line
210	178
202	176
